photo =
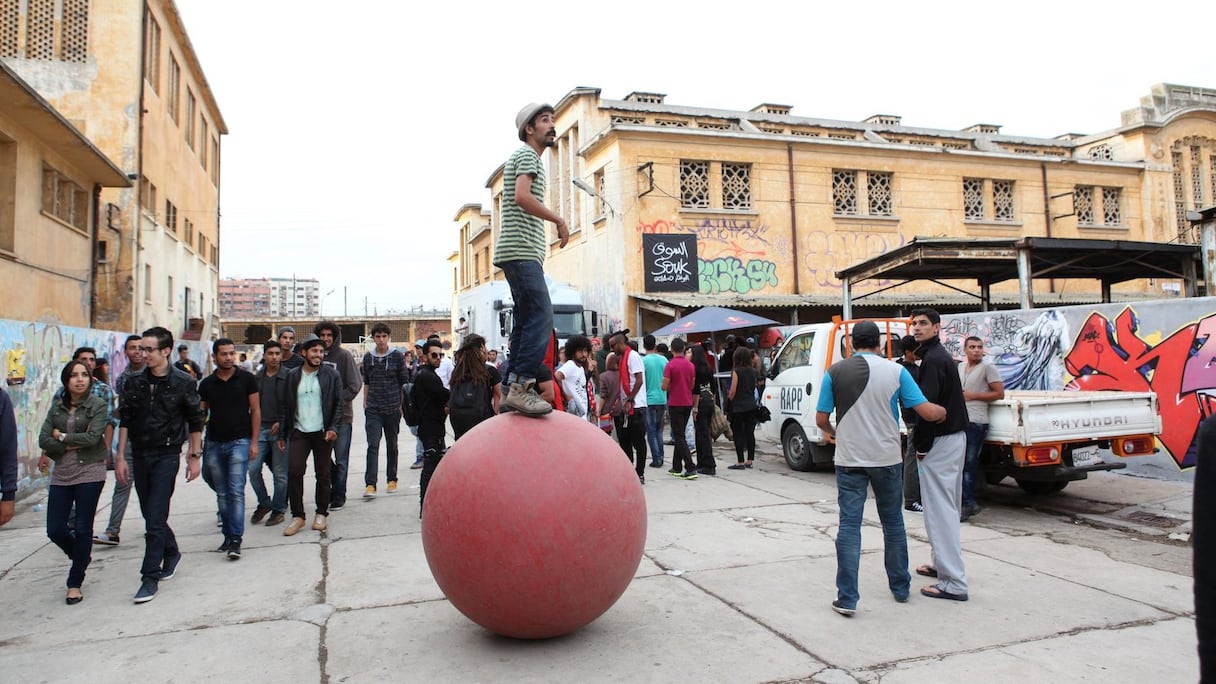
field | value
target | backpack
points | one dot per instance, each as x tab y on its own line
409	406
469	401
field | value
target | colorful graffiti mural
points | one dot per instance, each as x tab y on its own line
729	274
1166	347
34	354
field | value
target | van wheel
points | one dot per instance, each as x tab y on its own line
1038	487
796	449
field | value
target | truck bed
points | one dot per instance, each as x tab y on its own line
1033	417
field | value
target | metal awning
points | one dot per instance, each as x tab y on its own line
995	260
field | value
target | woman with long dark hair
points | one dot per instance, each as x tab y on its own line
73	435
743	407
476	386
703	411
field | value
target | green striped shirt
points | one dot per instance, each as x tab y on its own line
522	235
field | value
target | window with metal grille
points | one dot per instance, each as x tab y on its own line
1111	213
600	208
203	138
1102	152
736	186
844	192
1179	199
40	29
10	22
973	199
74	40
1002	200
694	184
878	191
1196	178
170	217
1083	204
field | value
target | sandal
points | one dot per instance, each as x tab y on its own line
934	591
926	570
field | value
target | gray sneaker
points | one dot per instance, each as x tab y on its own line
525	400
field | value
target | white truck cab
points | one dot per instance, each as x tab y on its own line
791	389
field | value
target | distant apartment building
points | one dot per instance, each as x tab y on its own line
242	298
124	72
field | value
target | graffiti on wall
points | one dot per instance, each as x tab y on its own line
34	355
1116	355
726	231
829	251
730	274
1167	347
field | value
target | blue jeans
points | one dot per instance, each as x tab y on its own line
417	444
971	465
390	425
228	466
337	475
268	449
76	541
654	432
155	477
887	483
533	324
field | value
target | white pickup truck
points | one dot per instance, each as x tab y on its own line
1043	440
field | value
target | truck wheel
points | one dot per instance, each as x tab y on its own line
796	449
1039	487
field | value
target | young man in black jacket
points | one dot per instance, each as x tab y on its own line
312	412
159	410
431	397
940	449
352	382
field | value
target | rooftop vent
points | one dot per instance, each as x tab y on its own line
991	129
648	98
883	119
769	108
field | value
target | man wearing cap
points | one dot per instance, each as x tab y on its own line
312	411
287	342
520	253
866	391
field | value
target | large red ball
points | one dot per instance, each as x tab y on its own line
533	527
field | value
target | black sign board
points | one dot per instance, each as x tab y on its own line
670	263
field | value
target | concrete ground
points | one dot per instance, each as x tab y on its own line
735	585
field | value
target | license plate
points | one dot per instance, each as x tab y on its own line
1085	456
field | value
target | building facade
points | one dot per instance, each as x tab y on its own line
292	297
50	178
125	73
774	204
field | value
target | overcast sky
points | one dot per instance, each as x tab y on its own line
357	130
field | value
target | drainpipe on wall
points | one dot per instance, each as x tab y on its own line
1051	282
94	227
137	223
789	150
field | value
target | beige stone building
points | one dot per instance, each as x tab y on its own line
50	179
124	73
776	203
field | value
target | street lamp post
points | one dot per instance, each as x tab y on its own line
322	312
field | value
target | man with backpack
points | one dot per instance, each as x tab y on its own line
384	374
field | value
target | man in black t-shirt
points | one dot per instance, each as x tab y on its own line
230	395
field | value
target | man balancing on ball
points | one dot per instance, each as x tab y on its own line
520	253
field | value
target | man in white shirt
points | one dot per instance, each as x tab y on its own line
571	376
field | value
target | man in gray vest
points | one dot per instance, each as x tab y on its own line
866	390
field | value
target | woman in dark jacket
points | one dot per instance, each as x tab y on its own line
703	412
743	407
73	435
